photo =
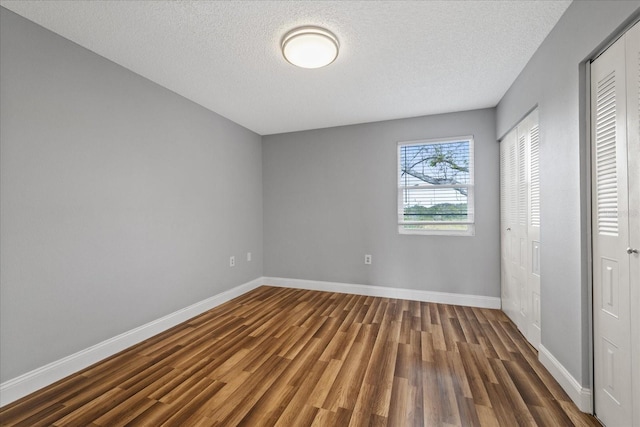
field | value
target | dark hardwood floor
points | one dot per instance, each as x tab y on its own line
287	357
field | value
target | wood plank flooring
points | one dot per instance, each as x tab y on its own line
286	357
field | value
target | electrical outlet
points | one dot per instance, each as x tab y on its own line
249	256
232	261
367	259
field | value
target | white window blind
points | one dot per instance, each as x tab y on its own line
435	186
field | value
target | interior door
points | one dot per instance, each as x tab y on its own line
520	226
534	328
633	176
613	76
511	276
520	229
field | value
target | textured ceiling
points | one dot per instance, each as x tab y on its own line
397	59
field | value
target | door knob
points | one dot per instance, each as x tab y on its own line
632	251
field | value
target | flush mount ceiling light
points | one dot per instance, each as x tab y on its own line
310	47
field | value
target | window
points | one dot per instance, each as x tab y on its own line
435	187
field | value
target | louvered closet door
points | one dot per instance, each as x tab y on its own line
633	161
520	295
510	279
534	328
520	227
612	261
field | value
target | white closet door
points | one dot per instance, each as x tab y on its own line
534	328
511	281
520	229
633	160
520	223
612	256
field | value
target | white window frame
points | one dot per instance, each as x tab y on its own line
470	230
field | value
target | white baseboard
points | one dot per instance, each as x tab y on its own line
29	382
581	396
380	291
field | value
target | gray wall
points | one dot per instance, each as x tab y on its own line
555	81
121	201
330	198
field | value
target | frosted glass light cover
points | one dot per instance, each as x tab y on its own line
310	47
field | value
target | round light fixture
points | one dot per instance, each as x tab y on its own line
310	47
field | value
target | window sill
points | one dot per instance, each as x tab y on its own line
469	232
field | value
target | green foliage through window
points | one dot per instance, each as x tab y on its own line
439	212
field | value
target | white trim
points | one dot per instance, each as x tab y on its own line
436	140
29	382
389	292
581	396
470	231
